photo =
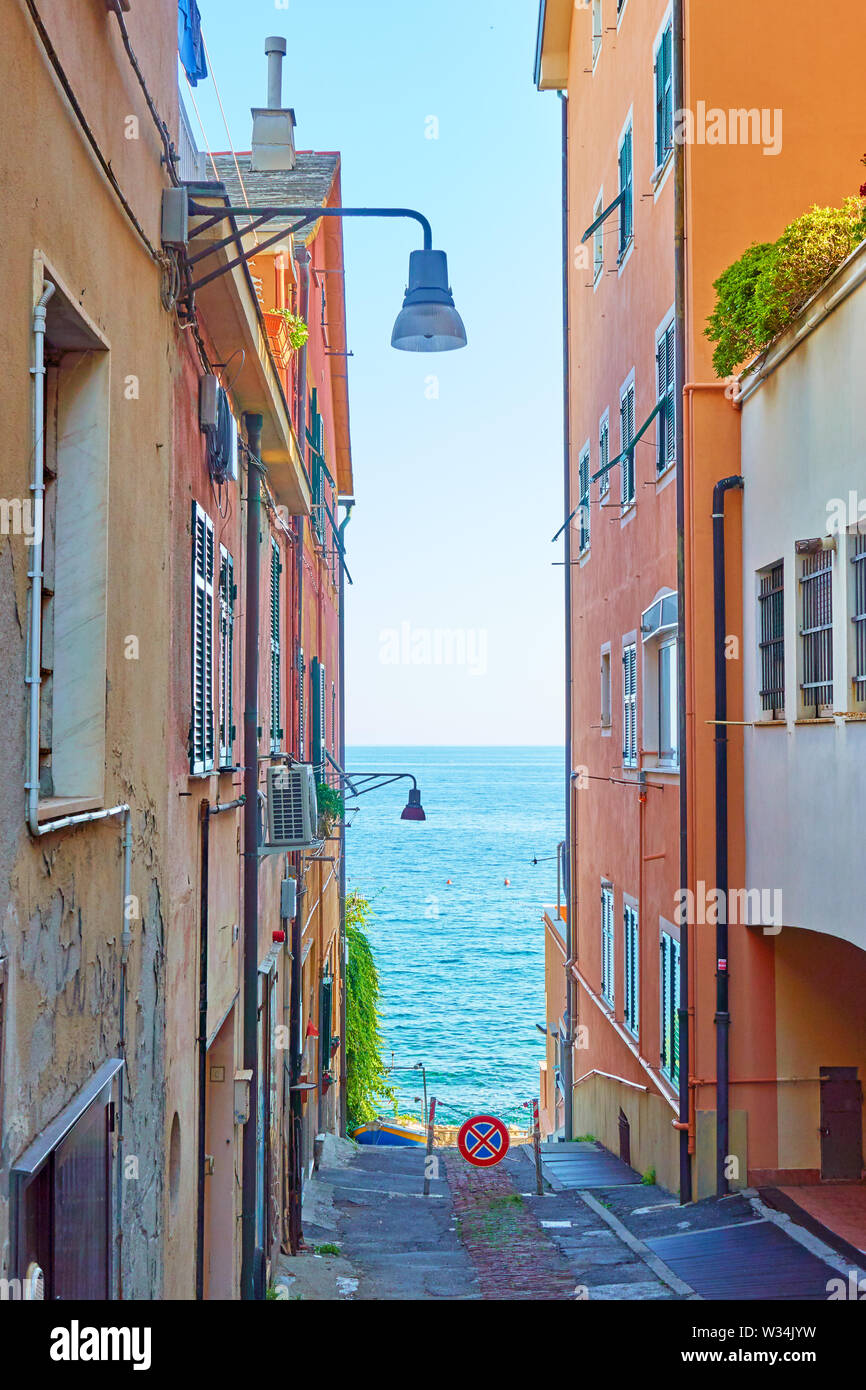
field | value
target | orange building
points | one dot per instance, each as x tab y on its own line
689	134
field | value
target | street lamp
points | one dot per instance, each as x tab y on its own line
413	810
428	321
360	782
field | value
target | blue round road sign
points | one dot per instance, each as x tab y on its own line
483	1140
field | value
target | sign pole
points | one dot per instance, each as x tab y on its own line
427	1164
536	1144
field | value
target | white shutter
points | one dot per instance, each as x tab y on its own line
226	674
629	706
202	723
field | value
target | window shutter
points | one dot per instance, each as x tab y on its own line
583	468
604	456
202	653
629	705
318	683
276	570
674	1006
668	90
301	704
226	677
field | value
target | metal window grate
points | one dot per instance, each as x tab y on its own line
816	631
771	616
858	561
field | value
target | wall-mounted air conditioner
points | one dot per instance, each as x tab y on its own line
293	811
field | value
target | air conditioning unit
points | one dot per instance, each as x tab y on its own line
293	810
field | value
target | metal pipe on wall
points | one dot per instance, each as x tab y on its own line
344	950
568	1059
684	1094
253	425
36	572
722	1015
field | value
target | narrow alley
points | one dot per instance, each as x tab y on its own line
486	1234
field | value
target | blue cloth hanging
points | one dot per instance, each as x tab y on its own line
189	41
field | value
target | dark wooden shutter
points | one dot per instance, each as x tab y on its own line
227	595
276	721
201	642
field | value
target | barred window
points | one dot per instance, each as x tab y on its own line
858	617
816	631
771	644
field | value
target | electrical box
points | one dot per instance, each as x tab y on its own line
208	401
243	1081
288	898
175	217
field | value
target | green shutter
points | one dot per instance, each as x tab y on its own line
626	209
319	686
326	1023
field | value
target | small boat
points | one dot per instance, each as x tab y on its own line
393	1135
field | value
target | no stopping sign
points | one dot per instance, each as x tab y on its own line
483	1140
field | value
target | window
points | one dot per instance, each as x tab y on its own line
629	705
597	29
598	241
670	1001
318	470
664	96
771	643
857	551
604	454
202	726
665	378
816	632
607	986
318	690
658	627
668	706
626	439
626	207
631	966
605	688
276	571
74	533
227	595
583	511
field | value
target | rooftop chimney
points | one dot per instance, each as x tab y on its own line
273	145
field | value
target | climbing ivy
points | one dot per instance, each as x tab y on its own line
761	293
366	1077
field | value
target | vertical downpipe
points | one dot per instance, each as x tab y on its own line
723	1017
342	761
35	573
682	720
204	872
253	425
568	1068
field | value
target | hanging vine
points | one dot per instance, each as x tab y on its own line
366	1082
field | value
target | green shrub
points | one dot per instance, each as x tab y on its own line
761	293
366	1078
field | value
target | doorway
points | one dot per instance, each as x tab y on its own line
841	1124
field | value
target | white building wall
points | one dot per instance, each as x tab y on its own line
804	445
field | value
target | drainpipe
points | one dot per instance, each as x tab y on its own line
569	1020
205	813
722	1017
344	951
296	1112
31	786
682	719
35	573
253	425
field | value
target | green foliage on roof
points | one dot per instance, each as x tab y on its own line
760	295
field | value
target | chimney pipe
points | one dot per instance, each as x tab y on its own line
275	48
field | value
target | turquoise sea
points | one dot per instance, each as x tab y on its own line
462	965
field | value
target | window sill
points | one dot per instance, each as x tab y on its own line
852	716
627	512
770	724
624	256
56	807
824	719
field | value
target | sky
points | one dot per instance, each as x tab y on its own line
454	616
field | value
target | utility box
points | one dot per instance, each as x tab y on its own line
288	898
175	217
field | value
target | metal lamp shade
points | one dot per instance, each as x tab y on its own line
414	810
428	321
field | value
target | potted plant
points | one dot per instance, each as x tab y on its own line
331	809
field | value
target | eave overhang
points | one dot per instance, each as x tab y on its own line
232	316
551	51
